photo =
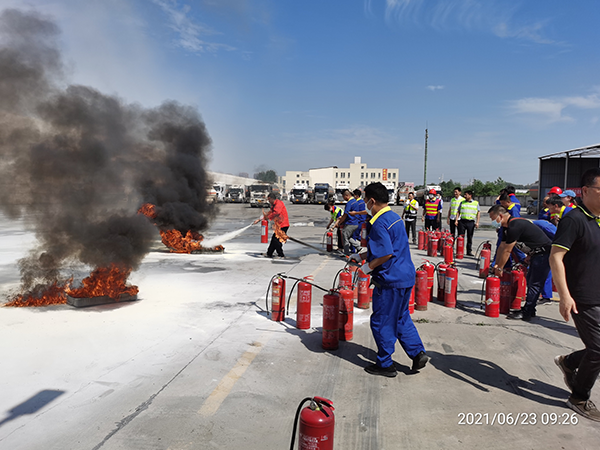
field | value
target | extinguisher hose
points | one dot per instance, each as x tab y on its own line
307	399
290	296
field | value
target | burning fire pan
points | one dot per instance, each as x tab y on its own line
95	301
209	250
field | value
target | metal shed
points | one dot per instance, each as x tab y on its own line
564	169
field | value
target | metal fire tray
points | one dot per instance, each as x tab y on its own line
82	302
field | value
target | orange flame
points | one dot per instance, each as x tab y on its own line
149	210
52	295
104	281
279	233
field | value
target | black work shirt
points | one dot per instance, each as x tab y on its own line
523	230
579	233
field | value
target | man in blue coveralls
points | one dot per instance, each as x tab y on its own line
393	274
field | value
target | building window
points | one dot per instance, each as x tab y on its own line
343	175
297	175
379	175
362	175
362	167
336	174
348	174
372	174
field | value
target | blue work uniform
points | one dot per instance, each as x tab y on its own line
550	230
393	282
350	206
358	206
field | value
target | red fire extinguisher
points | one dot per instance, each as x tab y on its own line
421	291
331	312
492	297
441	279
519	288
345	279
450	287
433	246
329	241
505	292
317	425
363	235
460	247
430	269
303	305
278	299
264	231
363	290
421	241
448	254
484	262
346	316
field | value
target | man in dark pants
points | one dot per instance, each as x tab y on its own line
536	245
279	217
575	261
467	219
410	216
393	274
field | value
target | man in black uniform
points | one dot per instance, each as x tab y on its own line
575	260
534	242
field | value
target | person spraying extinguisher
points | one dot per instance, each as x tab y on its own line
336	212
279	216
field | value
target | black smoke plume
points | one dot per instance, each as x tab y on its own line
77	164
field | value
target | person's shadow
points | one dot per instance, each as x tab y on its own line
489	374
32	405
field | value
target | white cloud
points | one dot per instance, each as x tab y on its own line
435	88
494	16
552	110
191	33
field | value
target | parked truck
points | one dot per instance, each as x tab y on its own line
259	192
302	193
402	192
221	190
421	194
323	192
391	188
340	187
236	194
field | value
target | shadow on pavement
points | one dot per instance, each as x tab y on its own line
483	375
33	404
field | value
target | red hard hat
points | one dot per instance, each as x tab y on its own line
555	190
433	192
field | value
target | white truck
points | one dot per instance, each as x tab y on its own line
391	188
302	193
421	194
340	187
402	192
221	189
259	192
236	194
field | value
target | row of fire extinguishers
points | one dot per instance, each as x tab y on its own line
502	294
447	281
441	243
317	421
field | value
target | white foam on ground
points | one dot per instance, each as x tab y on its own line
217	240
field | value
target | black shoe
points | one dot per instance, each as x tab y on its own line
266	255
520	315
584	407
568	374
470	254
389	372
420	361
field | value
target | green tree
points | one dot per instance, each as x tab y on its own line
268	176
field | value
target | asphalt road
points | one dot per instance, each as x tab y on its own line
197	363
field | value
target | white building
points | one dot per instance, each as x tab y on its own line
358	175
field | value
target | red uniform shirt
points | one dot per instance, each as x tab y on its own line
279	214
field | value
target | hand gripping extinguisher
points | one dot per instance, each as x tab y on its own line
460	247
492	297
329	241
363	234
303	305
317	424
264	231
278	299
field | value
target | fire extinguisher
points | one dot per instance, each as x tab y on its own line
450	287
278	299
303	305
448	253
317	425
421	291
363	235
331	312
429	269
346	316
505	292
492	297
519	287
460	247
484	262
264	231
329	241
433	246
421	241
363	290
345	279
441	279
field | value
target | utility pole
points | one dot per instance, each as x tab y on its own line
425	169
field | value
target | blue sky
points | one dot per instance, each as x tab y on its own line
292	85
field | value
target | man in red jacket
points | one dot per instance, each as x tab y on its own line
279	217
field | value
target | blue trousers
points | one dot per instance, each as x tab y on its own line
547	289
391	321
537	274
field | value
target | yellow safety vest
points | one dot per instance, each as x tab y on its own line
411	207
468	210
454	205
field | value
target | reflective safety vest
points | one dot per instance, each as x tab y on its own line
468	210
336	213
411	208
454	205
431	208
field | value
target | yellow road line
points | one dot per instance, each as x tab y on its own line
220	393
